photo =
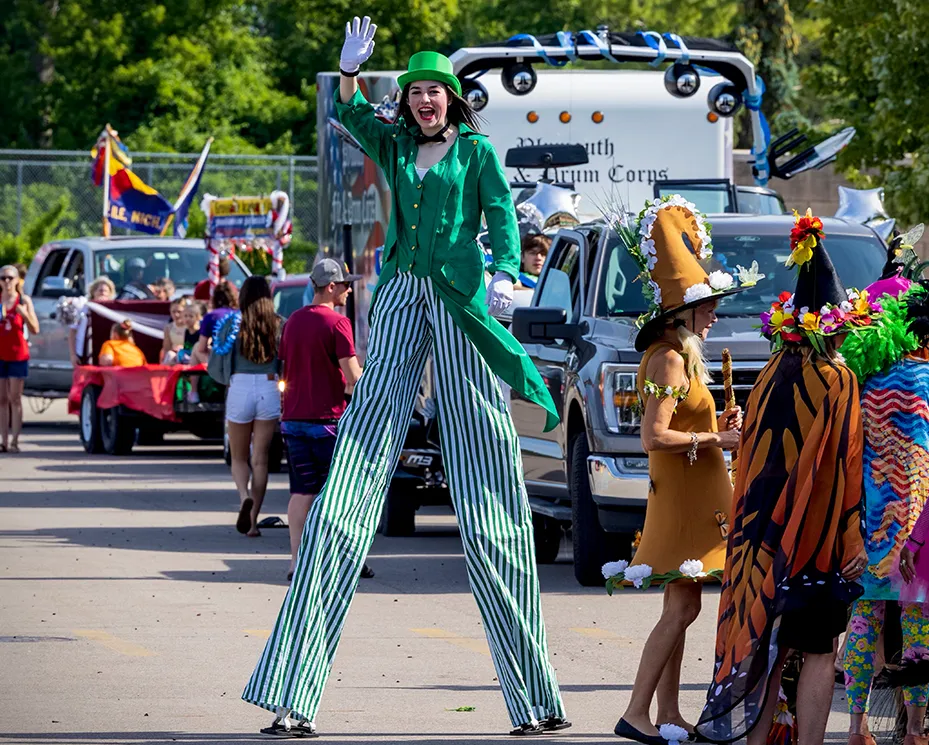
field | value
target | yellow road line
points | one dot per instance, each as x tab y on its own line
475	645
263	633
114	643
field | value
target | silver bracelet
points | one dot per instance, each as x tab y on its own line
692	453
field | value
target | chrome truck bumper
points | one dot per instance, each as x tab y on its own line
619	487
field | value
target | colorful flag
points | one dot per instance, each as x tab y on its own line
130	202
182	205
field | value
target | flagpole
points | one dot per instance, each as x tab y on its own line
106	184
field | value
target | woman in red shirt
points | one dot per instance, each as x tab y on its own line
16	314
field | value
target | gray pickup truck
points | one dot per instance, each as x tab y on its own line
590	474
67	267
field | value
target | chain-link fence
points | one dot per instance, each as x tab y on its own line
32	182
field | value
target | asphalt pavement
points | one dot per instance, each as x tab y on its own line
132	612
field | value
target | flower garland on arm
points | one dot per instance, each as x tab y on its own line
619	574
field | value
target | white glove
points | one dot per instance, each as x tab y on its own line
359	44
499	293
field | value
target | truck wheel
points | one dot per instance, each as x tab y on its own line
591	542
275	454
399	516
117	431
547	534
90	420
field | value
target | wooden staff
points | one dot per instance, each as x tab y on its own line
729	396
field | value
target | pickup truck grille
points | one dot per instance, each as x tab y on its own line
743	380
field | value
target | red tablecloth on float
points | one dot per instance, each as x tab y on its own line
148	389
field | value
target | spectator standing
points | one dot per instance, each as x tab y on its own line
253	402
202	288
16	315
121	349
225	301
319	369
100	290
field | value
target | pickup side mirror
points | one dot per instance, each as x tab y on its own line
57	287
542	325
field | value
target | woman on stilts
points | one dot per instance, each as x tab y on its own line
430	298
689	492
795	549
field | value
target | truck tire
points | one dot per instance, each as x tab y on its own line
90	420
591	542
117	431
547	533
399	515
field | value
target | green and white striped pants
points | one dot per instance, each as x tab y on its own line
484	471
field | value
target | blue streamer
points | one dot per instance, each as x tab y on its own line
685	52
538	48
567	43
602	46
753	103
655	42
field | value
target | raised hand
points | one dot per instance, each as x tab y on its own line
359	44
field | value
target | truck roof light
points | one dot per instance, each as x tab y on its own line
724	99
564	117
518	78
681	80
532	117
474	93
597	117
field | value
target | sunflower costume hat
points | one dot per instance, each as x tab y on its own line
820	306
668	240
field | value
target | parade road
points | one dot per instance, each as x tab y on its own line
132	612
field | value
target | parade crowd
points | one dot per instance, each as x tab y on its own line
815	530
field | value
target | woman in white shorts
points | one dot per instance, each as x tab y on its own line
253	401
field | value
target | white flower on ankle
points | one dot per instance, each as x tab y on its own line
612	568
638	574
692	568
673	734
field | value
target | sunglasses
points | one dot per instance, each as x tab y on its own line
7	279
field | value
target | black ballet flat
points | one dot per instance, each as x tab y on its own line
627	731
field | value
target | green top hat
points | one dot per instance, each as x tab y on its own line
430	66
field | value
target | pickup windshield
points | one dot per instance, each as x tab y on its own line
858	260
183	266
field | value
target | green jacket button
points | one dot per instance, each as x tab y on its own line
412	227
452	283
473	142
419	186
415	206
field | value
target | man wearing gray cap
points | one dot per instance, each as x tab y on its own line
319	370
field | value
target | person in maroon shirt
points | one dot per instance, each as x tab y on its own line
319	370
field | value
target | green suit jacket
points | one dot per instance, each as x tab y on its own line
443	226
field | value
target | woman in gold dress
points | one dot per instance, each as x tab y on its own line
690	492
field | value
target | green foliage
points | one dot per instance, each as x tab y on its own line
871	77
21	248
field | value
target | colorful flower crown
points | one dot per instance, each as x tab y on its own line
785	324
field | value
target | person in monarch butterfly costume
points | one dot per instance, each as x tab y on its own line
795	547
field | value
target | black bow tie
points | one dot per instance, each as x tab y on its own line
439	136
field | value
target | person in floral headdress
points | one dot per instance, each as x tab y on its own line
683	541
795	549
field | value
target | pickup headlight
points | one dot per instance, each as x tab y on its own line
620	398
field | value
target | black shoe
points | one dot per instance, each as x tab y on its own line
626	730
553	724
367	572
527	730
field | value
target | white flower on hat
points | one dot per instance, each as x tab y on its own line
638	574
692	568
846	306
697	292
656	291
751	276
673	734
804	310
720	281
612	568
789	305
